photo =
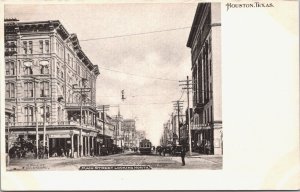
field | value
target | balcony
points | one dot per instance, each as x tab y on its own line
52	125
199	108
205	126
77	105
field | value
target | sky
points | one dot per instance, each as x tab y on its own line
137	63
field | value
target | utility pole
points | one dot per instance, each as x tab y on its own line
187	87
82	91
103	108
178	106
44	124
36	119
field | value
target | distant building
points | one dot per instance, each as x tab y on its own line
43	62
129	131
139	136
106	128
119	133
205	43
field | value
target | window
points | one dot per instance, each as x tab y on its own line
42	113
44	86
57	71
10	68
44	69
72	63
14	115
10	90
57	48
68	56
25	47
29	114
47	46
12	46
62	74
41	46
28	89
30	47
28	71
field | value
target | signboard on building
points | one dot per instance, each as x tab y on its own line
200	126
60	136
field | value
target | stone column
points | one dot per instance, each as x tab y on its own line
93	145
85	148
72	145
88	146
81	144
78	146
87	117
48	145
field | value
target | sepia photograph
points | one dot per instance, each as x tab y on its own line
149	95
109	86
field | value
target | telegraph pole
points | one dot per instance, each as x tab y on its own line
36	120
103	108
178	105
187	87
82	91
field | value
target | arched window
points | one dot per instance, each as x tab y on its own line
28	71
44	69
10	90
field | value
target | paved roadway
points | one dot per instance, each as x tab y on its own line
128	158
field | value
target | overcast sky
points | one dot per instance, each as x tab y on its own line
160	55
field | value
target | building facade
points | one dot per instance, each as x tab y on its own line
205	43
129	131
119	133
50	87
140	135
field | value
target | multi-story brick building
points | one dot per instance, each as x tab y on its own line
205	43
47	74
129	131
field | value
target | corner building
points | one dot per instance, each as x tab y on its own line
205	43
43	65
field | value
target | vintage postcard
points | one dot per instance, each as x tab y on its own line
149	95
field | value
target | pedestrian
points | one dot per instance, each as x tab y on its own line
46	152
182	154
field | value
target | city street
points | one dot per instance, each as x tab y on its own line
128	159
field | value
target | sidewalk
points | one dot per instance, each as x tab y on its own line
212	158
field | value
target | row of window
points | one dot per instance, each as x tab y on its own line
10	69
28	47
29	112
10	89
